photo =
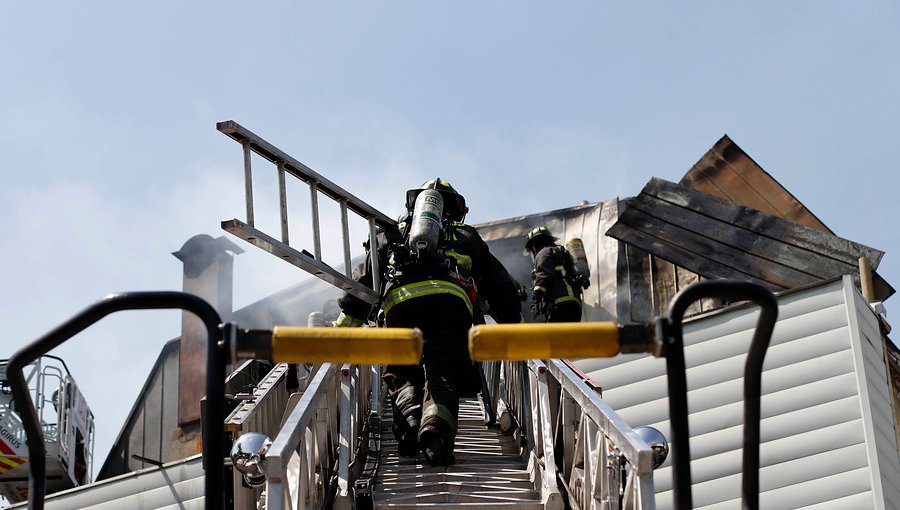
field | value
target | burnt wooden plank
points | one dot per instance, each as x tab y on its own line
703	255
730	173
763	245
746	218
719	239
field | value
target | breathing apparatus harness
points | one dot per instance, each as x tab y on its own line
422	250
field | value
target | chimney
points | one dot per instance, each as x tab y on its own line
208	268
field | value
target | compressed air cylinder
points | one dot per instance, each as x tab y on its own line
425	230
579	257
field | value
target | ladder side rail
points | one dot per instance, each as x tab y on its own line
550	496
515	401
298	436
345	444
603	431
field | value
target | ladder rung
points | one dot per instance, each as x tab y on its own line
299	259
268	151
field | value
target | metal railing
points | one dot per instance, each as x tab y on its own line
572	438
213	436
323	446
260	411
318	185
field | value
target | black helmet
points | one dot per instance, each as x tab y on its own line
454	203
538	233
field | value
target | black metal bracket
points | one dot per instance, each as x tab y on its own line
669	331
213	432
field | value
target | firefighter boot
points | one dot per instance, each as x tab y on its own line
406	428
437	445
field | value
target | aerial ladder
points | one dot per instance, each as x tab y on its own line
538	436
507	444
67	424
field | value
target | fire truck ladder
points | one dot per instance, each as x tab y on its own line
520	459
539	437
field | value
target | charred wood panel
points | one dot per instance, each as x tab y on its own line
718	239
727	172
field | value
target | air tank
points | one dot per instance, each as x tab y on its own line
425	230
579	257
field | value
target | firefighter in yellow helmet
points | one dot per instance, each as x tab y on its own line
436	271
556	288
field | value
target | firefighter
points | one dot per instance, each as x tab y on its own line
436	272
556	288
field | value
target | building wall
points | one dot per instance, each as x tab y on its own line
827	436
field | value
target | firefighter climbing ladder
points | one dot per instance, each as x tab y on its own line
493	468
575	443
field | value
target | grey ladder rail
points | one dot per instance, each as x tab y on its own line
318	185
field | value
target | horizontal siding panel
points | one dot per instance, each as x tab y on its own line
799	445
826	398
781	430
815	426
816	491
710	494
856	501
781	445
622	394
798	304
615	372
596	365
860	500
727	392
745	319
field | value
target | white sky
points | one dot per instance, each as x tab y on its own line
110	159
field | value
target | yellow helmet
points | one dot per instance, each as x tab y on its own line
538	233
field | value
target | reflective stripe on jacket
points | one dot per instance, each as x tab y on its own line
409	291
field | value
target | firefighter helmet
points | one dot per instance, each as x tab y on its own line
538	233
454	203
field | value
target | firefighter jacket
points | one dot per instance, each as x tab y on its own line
553	274
463	270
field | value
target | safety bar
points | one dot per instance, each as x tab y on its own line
286	344
317	184
213	433
521	342
589	340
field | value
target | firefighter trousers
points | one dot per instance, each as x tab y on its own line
445	372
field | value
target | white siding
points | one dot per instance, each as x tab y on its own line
827	433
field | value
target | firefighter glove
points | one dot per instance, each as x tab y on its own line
537	302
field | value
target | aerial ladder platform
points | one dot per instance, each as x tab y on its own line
538	435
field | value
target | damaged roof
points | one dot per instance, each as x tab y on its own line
719	238
726	171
